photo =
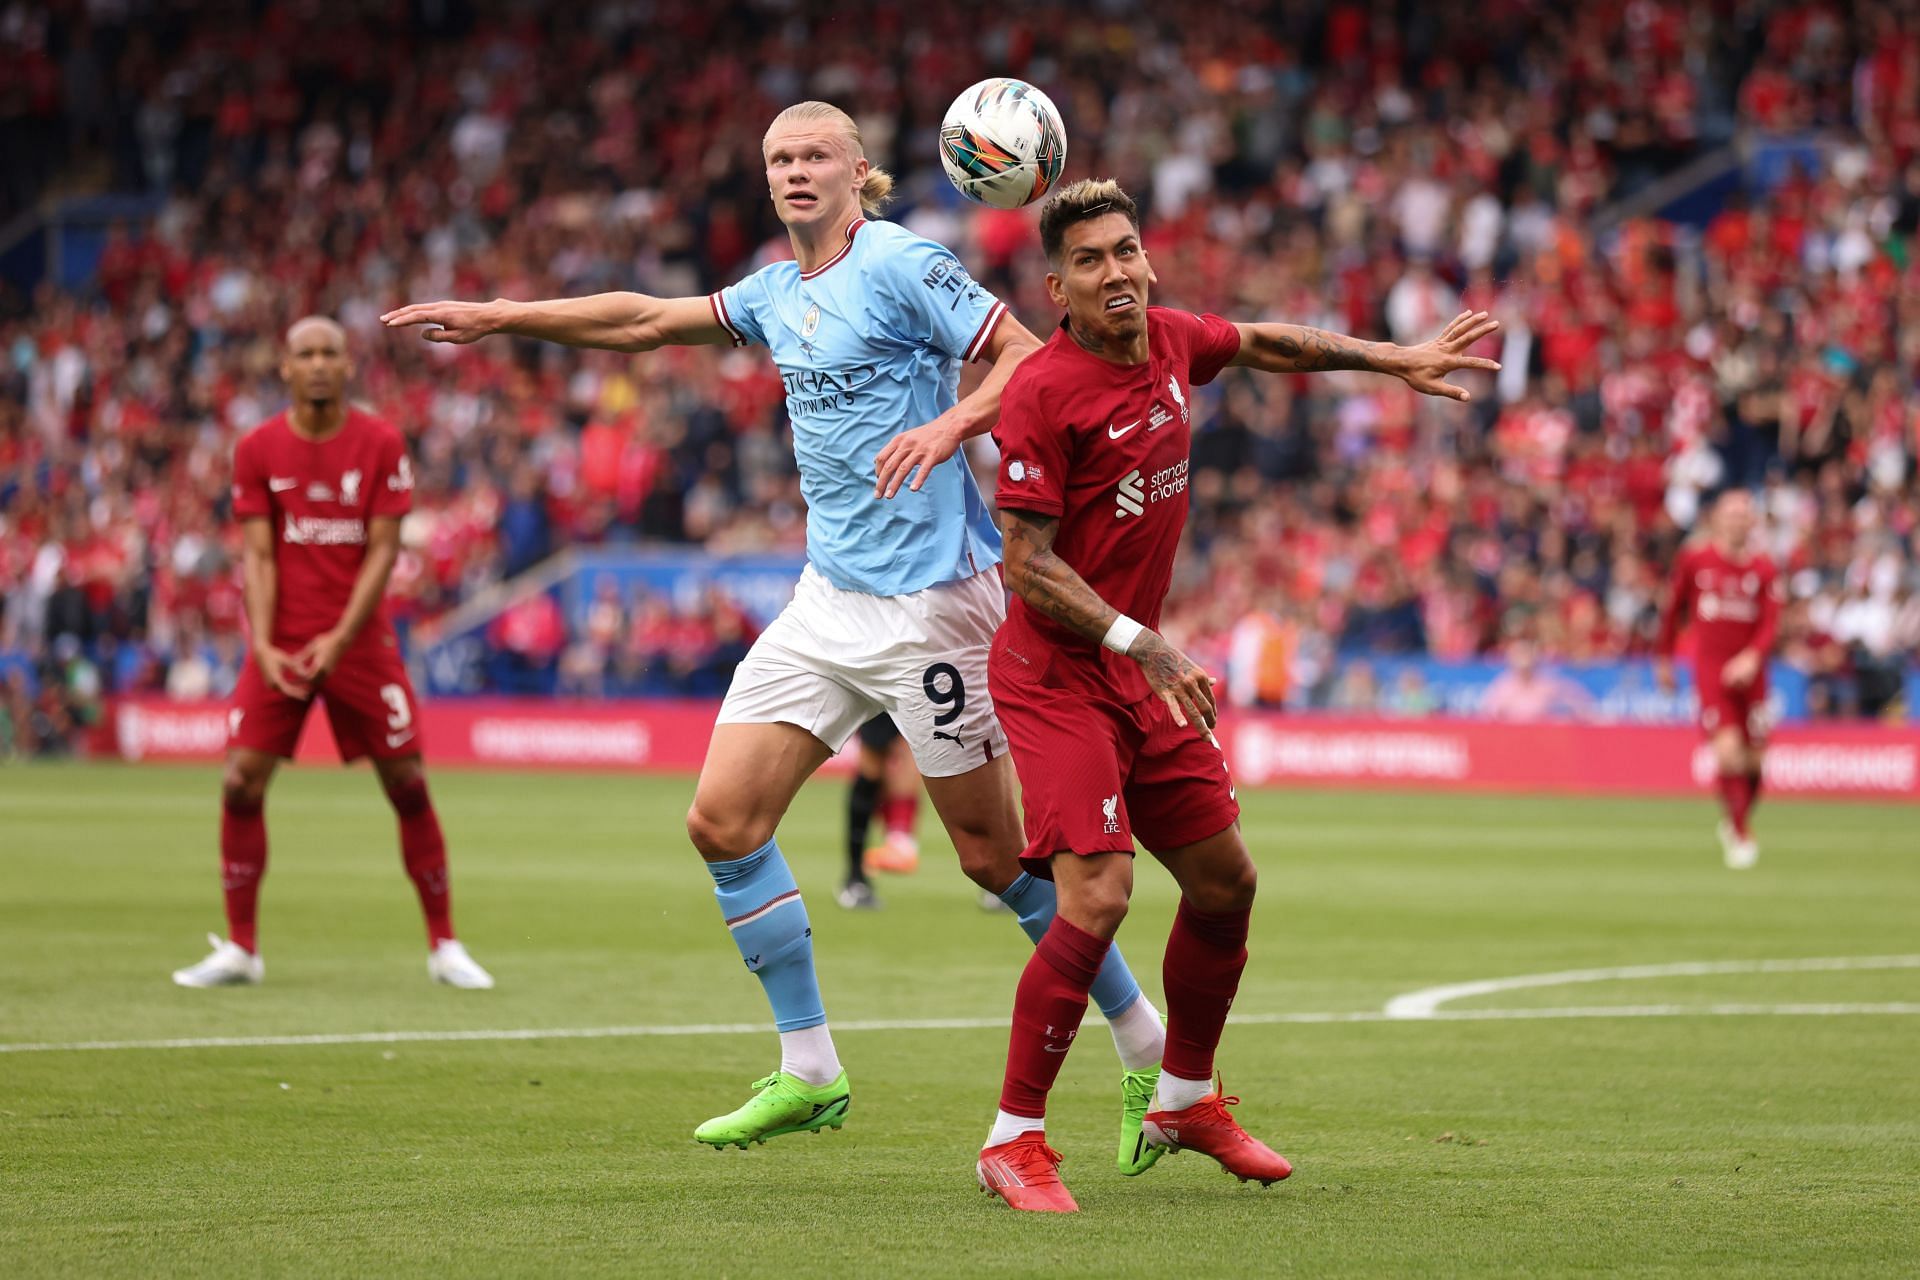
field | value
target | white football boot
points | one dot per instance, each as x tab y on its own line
230	965
1739	853
450	963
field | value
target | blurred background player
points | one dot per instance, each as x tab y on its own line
1111	727
897	606
884	781
319	490
1734	597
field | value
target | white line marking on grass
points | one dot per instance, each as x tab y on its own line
943	1024
1426	1002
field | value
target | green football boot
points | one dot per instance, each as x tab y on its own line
784	1105
1136	1096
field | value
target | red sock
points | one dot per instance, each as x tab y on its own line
898	813
424	850
1753	792
243	860
1047	1008
1205	956
1736	797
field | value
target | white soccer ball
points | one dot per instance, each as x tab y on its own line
1002	143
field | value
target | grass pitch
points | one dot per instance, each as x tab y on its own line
1690	1142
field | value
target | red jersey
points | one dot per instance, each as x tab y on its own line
320	496
1104	447
1735	605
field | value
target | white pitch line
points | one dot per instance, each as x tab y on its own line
948	1024
1426	1003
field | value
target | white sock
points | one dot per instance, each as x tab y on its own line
808	1055
1007	1127
1138	1035
1175	1094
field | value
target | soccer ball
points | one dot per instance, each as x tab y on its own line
1002	143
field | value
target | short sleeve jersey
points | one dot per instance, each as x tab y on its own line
1733	603
320	496
1104	447
869	344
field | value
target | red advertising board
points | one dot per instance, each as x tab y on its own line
1265	749
1848	760
662	736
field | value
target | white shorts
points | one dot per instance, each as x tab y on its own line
834	659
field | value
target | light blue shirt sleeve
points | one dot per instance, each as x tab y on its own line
736	308
931	299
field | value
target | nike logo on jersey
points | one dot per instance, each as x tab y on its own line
280	485
1114	433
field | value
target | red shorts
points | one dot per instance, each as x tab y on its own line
370	705
1096	771
1744	709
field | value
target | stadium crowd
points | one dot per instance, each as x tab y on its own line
1369	168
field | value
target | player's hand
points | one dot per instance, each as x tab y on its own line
280	670
460	322
1425	367
1741	669
1663	675
1186	689
912	455
320	656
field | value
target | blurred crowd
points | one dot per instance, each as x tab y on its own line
1364	167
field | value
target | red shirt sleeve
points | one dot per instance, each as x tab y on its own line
393	483
1212	347
1034	451
1772	596
1679	603
251	498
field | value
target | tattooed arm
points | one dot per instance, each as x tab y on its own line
1049	584
1293	348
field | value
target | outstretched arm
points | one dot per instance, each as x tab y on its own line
926	447
1293	348
612	321
1050	585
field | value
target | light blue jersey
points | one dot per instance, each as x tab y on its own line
869	344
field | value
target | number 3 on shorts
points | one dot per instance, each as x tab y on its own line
396	697
953	696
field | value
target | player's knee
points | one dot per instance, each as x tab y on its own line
723	839
993	865
243	790
1101	910
408	794
1098	903
1233	889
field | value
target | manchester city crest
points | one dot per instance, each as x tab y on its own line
810	321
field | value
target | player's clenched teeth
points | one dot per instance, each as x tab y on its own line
1120	303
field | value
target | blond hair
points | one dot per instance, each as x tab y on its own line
1083	200
878	188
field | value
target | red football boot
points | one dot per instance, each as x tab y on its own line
1208	1127
1025	1173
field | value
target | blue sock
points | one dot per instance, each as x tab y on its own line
761	905
1034	900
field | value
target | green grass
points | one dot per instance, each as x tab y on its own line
1670	1145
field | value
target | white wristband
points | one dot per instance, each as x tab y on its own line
1121	635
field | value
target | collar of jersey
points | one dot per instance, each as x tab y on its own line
1119	371
853	229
